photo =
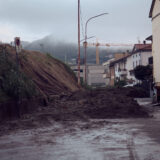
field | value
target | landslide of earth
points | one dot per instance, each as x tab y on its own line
68	102
99	104
82	105
49	75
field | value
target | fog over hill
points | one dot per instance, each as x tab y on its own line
66	51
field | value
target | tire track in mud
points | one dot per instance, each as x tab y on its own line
131	148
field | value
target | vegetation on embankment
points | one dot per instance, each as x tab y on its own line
35	76
14	84
37	73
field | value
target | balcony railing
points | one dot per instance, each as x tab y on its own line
122	71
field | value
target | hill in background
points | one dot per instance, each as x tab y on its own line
67	52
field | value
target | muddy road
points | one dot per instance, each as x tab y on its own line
118	139
79	127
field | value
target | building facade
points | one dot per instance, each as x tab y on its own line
95	74
141	54
122	69
155	16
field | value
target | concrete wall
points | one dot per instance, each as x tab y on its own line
144	58
82	70
95	75
156	42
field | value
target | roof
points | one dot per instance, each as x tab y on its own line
149	38
137	48
118	60
151	10
142	47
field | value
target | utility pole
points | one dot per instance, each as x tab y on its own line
17	43
79	43
85	43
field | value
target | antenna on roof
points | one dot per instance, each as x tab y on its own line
139	41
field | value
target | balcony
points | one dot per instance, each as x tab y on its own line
122	71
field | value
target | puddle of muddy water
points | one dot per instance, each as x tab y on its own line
93	140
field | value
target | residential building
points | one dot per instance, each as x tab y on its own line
107	73
155	16
122	69
118	70
141	54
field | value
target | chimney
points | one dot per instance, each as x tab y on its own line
144	42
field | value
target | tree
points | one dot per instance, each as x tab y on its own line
143	72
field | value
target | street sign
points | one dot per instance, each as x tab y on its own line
17	43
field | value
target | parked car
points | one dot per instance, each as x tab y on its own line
129	85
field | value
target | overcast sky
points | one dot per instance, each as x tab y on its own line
34	19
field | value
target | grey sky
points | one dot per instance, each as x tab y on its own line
33	19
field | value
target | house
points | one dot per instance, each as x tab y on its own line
122	69
118	70
107	75
117	67
141	55
155	17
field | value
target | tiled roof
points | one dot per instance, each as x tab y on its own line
142	47
149	38
118	60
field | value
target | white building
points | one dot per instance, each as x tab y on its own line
140	56
155	16
123	67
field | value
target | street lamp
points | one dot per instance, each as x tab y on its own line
87	38
85	42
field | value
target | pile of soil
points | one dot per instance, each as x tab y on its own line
80	105
102	103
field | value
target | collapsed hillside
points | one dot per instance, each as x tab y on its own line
81	106
56	82
49	75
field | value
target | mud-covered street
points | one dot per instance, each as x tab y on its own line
110	139
91	125
97	139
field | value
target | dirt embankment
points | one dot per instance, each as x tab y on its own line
50	75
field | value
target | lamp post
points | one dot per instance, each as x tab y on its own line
85	42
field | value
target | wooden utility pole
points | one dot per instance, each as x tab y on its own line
79	43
